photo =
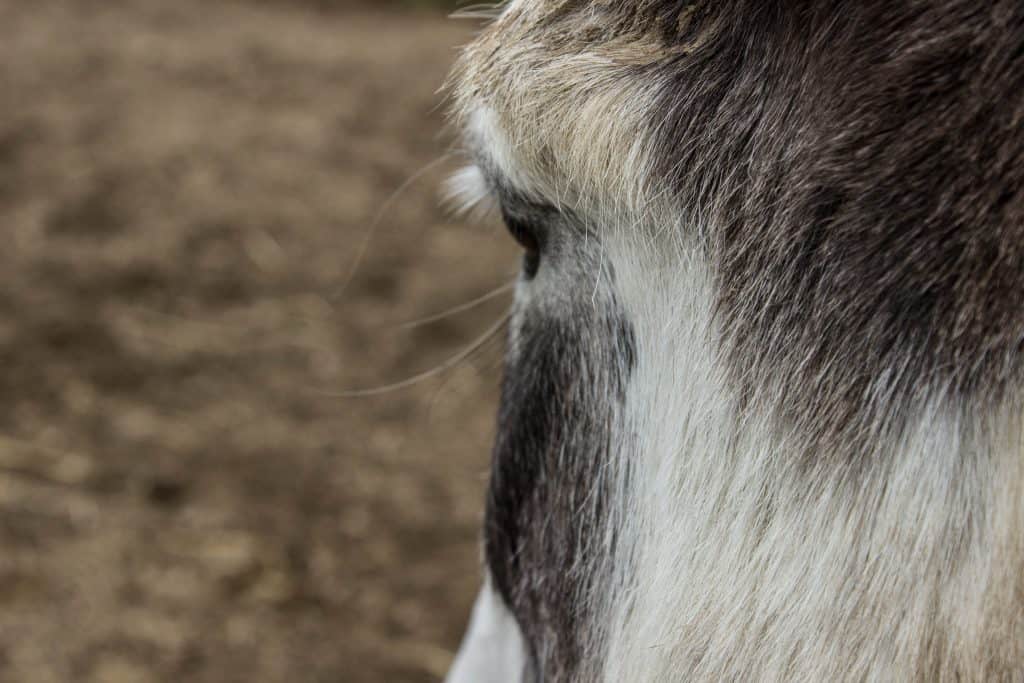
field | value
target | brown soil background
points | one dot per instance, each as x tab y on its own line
184	186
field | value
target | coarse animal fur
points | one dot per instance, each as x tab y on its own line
762	415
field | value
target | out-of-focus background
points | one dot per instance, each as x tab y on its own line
185	186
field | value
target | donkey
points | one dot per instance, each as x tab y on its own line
762	412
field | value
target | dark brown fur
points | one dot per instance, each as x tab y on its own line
865	162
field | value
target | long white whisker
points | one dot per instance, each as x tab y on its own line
364	243
433	372
455	310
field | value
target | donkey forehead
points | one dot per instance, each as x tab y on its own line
559	98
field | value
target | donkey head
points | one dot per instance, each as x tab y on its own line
761	413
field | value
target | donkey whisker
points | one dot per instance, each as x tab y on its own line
455	310
428	374
364	242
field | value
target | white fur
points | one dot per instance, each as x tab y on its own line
492	651
844	577
467	193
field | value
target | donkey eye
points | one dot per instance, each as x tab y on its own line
528	238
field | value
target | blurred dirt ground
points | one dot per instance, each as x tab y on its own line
183	188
